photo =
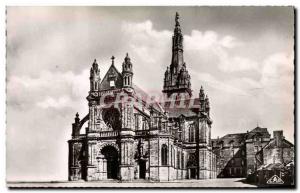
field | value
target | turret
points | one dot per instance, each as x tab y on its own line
127	72
202	99
207	106
167	77
76	126
94	77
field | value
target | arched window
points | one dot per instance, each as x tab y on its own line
164	155
191	134
125	81
182	160
178	160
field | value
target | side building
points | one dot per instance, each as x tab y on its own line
242	154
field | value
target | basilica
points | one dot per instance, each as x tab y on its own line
130	136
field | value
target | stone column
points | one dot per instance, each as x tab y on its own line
91	167
127	162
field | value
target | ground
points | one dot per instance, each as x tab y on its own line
211	183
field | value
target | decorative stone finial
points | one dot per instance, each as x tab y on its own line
95	64
77	118
127	57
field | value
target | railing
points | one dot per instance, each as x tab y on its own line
142	132
108	133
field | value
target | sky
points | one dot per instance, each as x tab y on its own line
243	57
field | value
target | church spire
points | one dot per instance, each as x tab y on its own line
177	47
177	79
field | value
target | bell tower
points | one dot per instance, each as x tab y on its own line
177	78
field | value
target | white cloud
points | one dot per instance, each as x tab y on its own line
217	84
50	89
61	102
150	52
278	77
212	43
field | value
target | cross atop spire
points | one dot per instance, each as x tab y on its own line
112	60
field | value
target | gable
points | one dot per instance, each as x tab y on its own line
112	73
285	144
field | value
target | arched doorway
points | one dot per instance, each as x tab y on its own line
112	163
192	166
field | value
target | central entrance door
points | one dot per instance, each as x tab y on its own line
112	163
142	169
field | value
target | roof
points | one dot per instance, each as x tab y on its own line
258	131
237	139
186	107
141	93
285	144
104	85
176	112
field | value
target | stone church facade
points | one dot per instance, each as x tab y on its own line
130	137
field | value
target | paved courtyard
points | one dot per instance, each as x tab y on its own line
211	183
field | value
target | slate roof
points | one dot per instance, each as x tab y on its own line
140	92
237	139
262	132
285	144
186	107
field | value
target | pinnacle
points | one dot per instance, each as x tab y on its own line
177	19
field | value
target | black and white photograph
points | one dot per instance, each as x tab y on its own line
150	97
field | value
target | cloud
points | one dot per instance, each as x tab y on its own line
44	107
150	50
219	47
211	81
278	77
209	39
49	88
50	51
61	102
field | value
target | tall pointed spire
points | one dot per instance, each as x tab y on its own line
177	47
177	79
177	24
